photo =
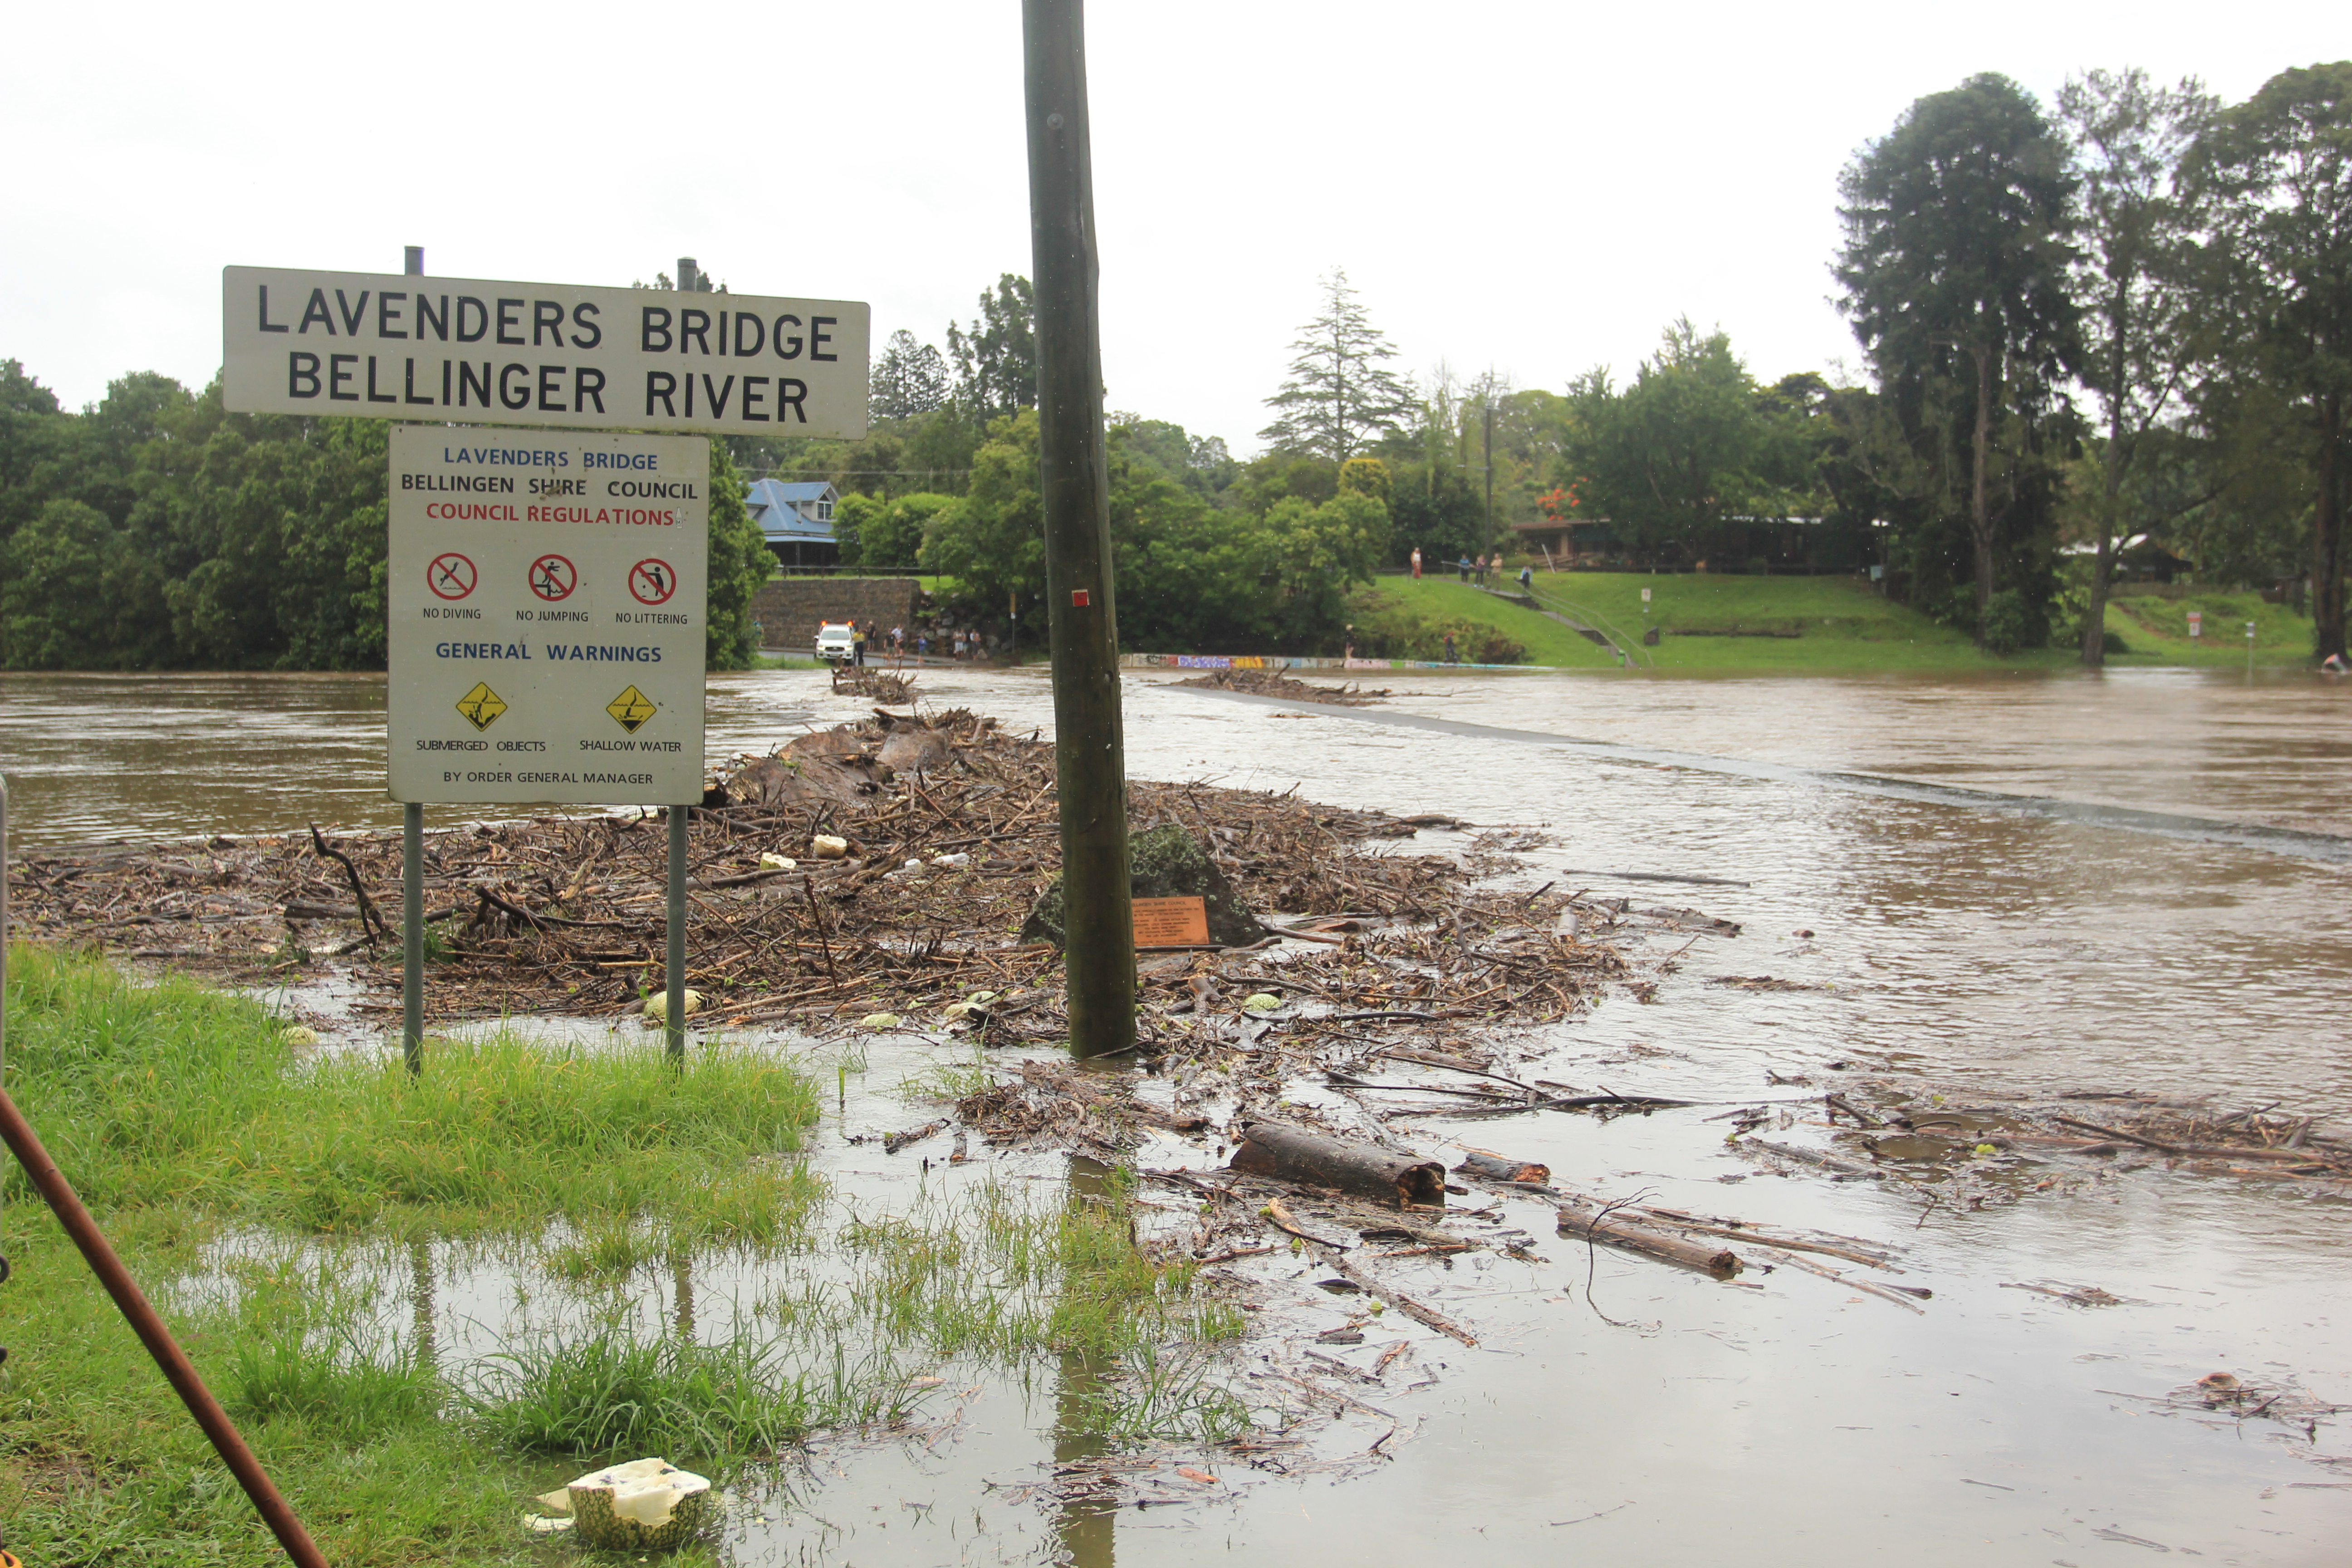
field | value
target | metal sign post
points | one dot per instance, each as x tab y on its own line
412	875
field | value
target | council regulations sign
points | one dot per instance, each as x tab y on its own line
385	346
547	616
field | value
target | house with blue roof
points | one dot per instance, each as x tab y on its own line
795	517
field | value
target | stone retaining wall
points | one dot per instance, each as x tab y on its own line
790	608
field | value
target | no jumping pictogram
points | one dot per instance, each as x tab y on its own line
652	582
450	576
554	577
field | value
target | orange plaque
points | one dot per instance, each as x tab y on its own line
1171	922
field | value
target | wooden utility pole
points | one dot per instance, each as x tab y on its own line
1089	752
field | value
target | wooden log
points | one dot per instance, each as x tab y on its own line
1577	1220
1289	1154
1503	1168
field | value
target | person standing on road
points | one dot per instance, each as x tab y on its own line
899	641
1462	568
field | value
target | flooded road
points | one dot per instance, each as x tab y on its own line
1992	946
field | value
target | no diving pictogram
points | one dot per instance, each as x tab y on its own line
554	577
450	576
652	582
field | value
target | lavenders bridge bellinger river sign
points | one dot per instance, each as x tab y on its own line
547	598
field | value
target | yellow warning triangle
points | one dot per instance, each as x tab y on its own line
481	705
631	709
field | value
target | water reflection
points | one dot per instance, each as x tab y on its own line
1087	1527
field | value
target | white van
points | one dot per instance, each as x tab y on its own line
836	642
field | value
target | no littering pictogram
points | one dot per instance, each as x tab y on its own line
652	582
554	577
630	709
450	576
481	705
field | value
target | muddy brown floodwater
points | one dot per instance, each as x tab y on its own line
2007	886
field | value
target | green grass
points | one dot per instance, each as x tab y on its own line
2156	630
1842	627
173	1095
267	1206
608	1391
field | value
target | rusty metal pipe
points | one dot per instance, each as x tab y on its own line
135	1308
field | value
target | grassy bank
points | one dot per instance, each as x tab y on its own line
1826	624
288	1215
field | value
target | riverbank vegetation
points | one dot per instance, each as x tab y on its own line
156	531
296	1220
2133	370
2130	376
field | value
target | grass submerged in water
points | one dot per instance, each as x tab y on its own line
198	1136
174	1094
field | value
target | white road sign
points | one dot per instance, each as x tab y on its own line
546	601
383	346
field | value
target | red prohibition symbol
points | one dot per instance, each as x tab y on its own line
652	582
450	576
554	577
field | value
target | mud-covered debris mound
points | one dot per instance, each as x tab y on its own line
1268	683
949	831
1166	862
896	688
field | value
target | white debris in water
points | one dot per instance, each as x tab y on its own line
658	1007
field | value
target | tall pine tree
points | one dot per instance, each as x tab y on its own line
1339	399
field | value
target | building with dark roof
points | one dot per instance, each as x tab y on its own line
795	517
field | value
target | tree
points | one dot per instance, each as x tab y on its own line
1954	269
35	438
992	540
1686	454
2127	138
1338	398
886	535
2278	171
909	380
739	562
70	582
996	359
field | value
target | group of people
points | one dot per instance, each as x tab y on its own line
956	643
1471	569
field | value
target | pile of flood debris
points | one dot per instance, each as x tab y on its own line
892	688
883	867
1272	683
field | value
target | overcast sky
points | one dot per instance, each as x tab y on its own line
1535	187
